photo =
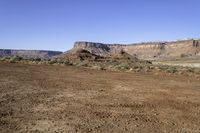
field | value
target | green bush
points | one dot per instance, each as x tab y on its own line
38	59
2	59
190	69
15	59
123	67
171	70
163	67
198	71
52	61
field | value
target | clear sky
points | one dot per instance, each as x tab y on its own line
57	24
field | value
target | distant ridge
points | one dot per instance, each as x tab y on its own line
29	53
162	50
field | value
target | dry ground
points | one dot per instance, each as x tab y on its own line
39	98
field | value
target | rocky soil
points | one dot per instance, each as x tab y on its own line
41	98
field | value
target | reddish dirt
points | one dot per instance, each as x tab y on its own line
39	98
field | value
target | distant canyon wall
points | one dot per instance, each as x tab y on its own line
146	51
29	53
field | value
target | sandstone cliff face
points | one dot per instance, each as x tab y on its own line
96	48
29	53
146	51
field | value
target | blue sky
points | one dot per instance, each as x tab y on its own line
57	24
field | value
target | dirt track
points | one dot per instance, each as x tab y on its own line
67	99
